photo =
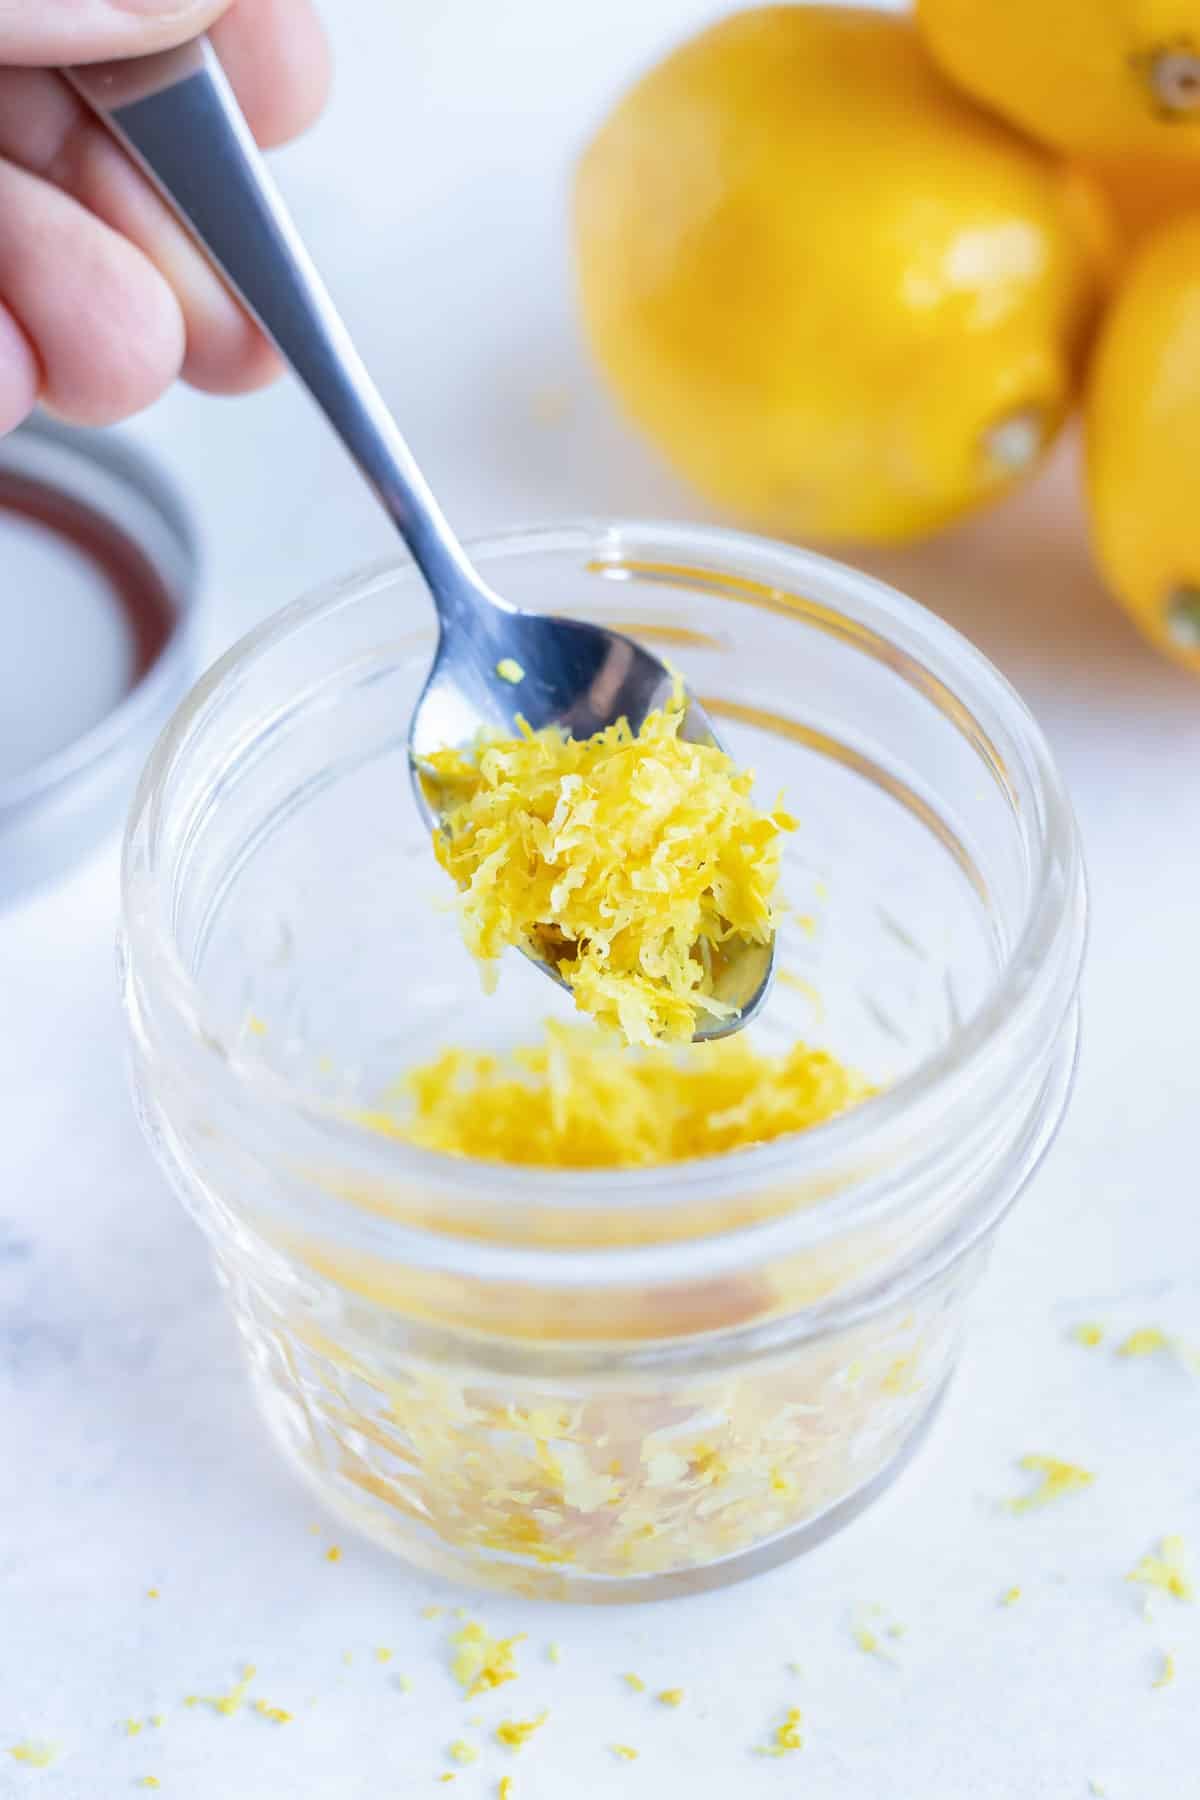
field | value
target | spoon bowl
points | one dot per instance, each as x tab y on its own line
176	115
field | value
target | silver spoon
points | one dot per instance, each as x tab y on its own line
176	114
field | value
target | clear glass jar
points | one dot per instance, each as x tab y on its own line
623	1383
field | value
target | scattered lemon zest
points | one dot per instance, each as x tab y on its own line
1010	1596
554	1652
513	1733
150	1781
635	1682
152	1593
626	1752
157	1720
787	1735
449	1776
133	1727
348	1658
1168	1570
482	1661
276	1714
868	1639
510	670
334	1553
1146	1341
1057	1478
462	1752
631	862
505	1789
34	1756
579	1100
431	1612
1166	1673
383	1654
795	1668
404	1683
1088	1333
226	1704
671	1697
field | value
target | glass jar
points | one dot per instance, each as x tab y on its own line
613	1384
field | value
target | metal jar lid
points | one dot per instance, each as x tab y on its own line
101	581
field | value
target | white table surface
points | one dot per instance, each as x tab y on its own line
130	1457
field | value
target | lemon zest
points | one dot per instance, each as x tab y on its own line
1147	1340
1168	1570
786	1737
513	1733
1057	1478
482	1661
631	862
34	1756
578	1100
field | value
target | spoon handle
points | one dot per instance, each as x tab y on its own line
177	116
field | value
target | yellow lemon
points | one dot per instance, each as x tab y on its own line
1143	441
1105	77
1144	192
844	301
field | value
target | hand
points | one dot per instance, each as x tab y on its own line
104	300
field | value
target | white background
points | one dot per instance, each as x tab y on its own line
434	196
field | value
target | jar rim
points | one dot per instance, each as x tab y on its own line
1030	995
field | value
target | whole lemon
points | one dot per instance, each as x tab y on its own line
1144	192
843	301
1143	441
1105	77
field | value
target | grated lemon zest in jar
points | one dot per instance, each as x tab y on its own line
1167	1571
1166	1673
513	1733
510	670
578	1100
1148	1340
34	1756
629	862
1088	1334
1056	1479
786	1737
482	1662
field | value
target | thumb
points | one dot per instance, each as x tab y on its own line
47	33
